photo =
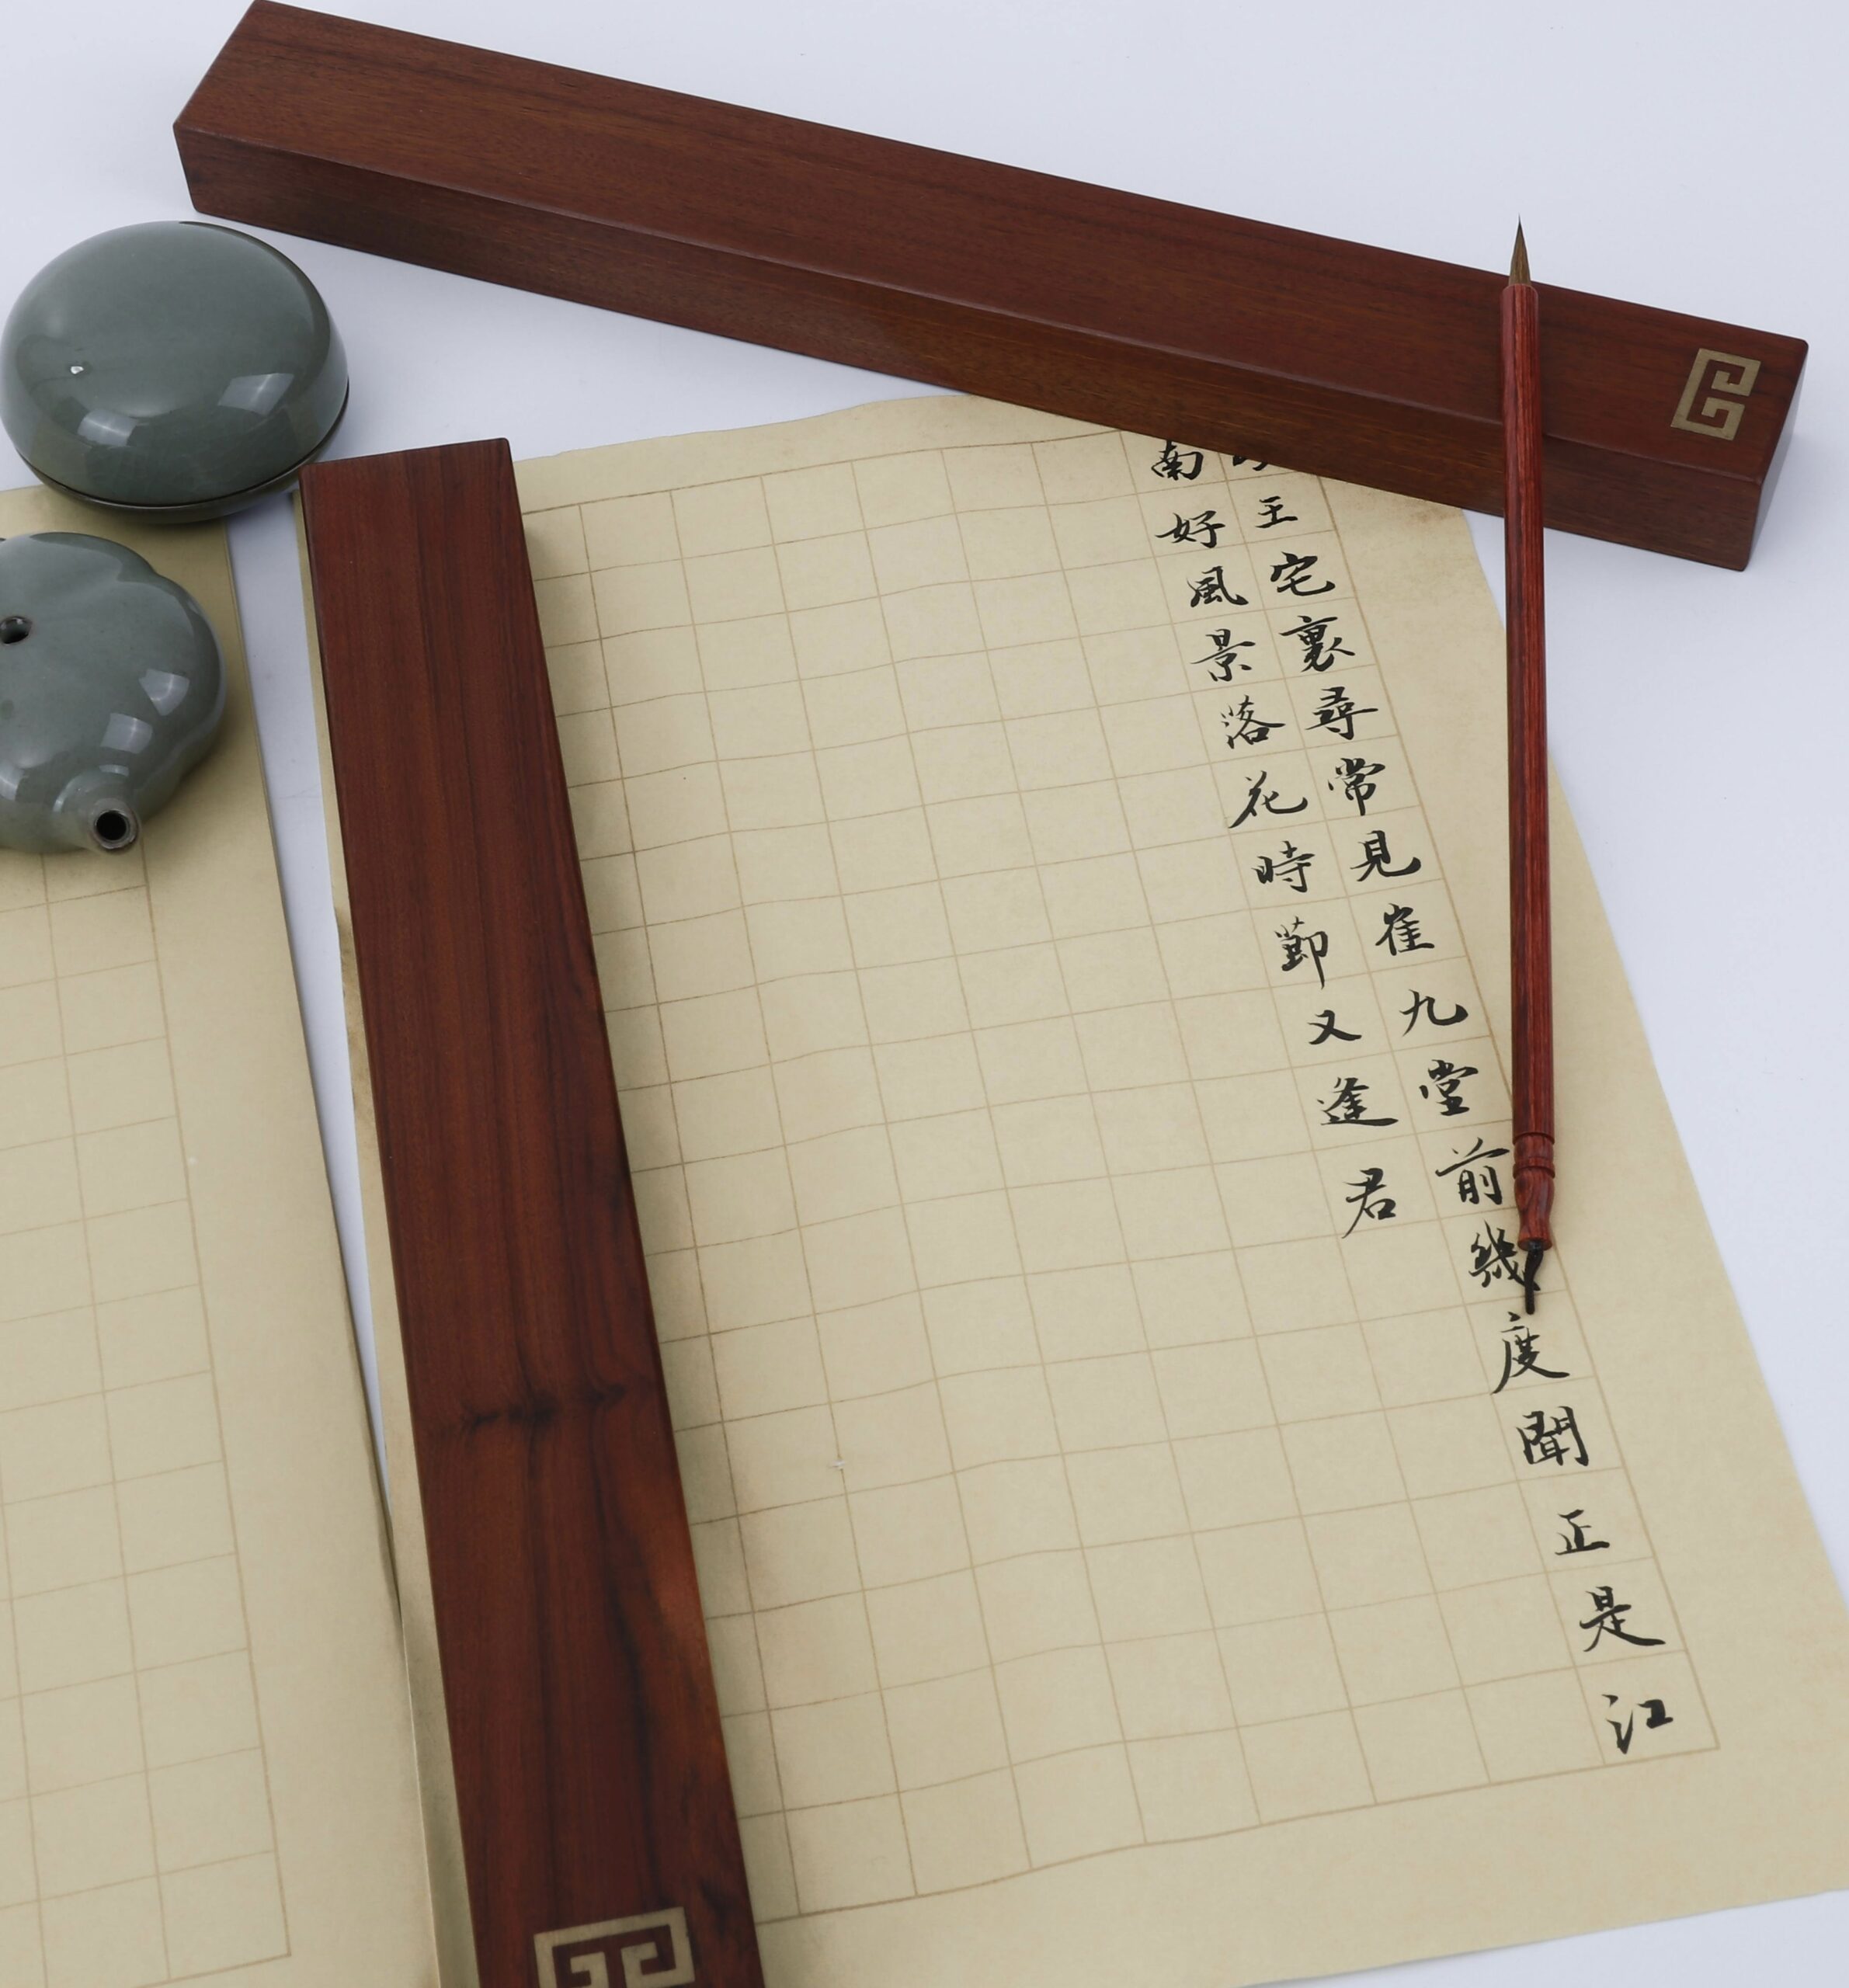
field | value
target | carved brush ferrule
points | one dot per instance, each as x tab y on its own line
1534	1189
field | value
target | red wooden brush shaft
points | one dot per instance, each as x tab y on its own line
1331	356
1531	960
590	1768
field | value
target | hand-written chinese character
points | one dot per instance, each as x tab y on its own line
1336	712
1445	1083
1178	465
1521	1353
1608	1619
1354	777
1203	528
1493	1257
1399	932
1244	726
1211	590
1291	574
1578	1540
1377	859
1301	944
1349	1105
1476	1180
1554	1439
1274	513
1427	1004
1258	797
1367	1200
1320	648
1290	867
1326	1029
1657	1715
1224	655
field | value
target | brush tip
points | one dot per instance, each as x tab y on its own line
1530	1276
1518	262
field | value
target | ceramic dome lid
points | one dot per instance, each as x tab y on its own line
174	363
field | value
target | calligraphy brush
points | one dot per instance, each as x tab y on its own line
1531	939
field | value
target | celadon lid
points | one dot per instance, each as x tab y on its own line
172	364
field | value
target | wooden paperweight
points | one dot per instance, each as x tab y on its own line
597	1823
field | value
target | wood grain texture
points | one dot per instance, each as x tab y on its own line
1331	357
1531	923
591	1775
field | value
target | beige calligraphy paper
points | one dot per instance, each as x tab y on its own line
1049	887
205	1761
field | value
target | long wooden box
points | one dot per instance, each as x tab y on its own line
1662	430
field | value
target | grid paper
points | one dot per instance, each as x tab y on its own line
1073	1161
198	1675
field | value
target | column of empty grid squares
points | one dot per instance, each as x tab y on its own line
765	1496
135	1838
1113	1694
950	1003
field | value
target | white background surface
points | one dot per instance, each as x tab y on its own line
1689	156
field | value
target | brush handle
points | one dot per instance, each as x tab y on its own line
1531	939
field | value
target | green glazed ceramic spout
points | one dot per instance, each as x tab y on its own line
94	811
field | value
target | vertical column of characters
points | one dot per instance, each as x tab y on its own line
1601	1591
1593	1591
1612	1603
